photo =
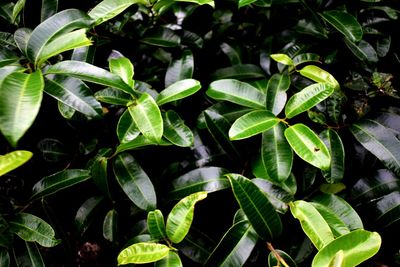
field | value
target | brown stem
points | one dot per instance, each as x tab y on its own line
277	256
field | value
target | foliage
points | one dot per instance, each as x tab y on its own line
283	113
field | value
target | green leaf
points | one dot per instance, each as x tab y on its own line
273	260
21	37
75	94
27	254
4	258
135	182
240	72
99	171
178	90
87	212
276	154
243	3
180	69
13	160
121	66
140	142
126	128
140	253
48	9
383	46
386	210
307	98
232	52
252	123
363	50
341	208
218	128
110	226
113	96
237	92
172	260
20	99
336	149
209	179
108	9
308	146
62	43
283	59
255	204
312	222
176	131
19	5
147	116
319	75
89	73
197	246
58	181
344	23
276	92
337	260
235	246
357	247
338	227
32	228
180	218
306	58
156	225
61	23
380	141
162	37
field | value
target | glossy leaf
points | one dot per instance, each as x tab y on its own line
21	37
121	66
235	246
276	92
75	94
13	160
127	129
140	253
312	222
86	213
140	142
380	183
60	23
307	145
218	128
252	123
386	210
172	260
276	153
336	149
162	37
237	92
255	204
64	42
178	90
156	225
275	260
341	208
20	99
305	58
99	171
240	72
135	182
380	141
357	247
113	96
32	228
108	9
110	226
147	117
90	73
176	131
180	218
209	179
338	227
344	23
48	9
197	246
363	50
319	75
307	98
58	181
180	69
283	59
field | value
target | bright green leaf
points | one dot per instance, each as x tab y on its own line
276	92
178	90
176	131
126	128
121	66
172	260
319	75
156	225
283	59
13	160
108	9
140	253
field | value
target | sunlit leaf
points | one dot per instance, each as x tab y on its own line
319	75
156	225
140	253
121	66
277	86
108	9
172	260
13	160
178	90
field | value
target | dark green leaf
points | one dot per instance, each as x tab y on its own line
209	179
363	51
32	228
344	23
58	181
53	150
28	254
256	206
387	210
4	258
126	128
180	69
110	226
336	149
49	8
176	131
278	196
156	225
162	37
240	72
380	141
99	171
113	96
383	46
140	142
232	53
196	246
86	213
235	246
135	182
